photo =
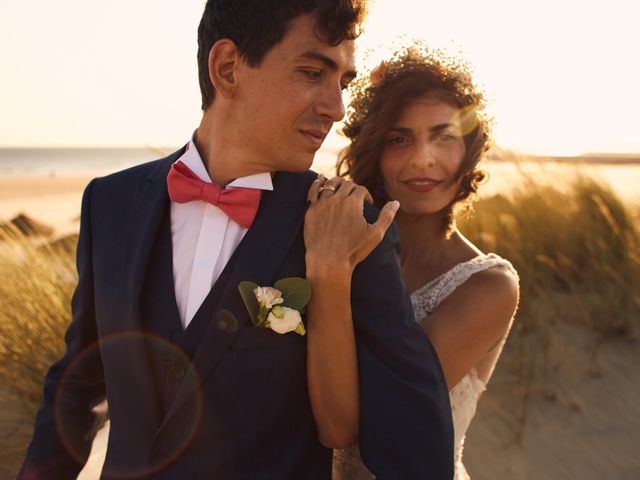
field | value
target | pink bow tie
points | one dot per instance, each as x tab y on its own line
240	204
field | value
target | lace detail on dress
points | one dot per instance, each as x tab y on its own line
426	300
464	396
347	465
464	399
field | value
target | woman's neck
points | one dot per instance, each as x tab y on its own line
420	236
427	251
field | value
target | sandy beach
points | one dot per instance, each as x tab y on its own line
580	419
54	200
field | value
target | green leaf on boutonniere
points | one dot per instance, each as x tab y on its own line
296	292
246	292
300	330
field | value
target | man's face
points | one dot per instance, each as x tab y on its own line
288	104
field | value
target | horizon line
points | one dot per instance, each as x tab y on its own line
494	153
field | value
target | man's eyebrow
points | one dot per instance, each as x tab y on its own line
329	62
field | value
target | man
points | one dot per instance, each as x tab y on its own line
159	327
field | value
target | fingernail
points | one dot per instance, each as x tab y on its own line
395	205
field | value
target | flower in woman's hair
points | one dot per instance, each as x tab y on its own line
284	319
378	74
268	297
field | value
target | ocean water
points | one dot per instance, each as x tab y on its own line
81	161
73	161
622	178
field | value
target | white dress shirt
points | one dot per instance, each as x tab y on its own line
203	239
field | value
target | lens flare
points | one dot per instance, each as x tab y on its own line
227	321
83	378
467	118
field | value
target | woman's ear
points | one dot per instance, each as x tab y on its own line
223	61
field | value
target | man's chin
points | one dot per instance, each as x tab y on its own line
297	165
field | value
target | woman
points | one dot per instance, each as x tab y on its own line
418	131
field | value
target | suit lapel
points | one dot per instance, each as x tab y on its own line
145	217
142	227
263	250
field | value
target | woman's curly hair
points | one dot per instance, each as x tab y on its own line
379	99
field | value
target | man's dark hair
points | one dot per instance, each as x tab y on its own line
256	26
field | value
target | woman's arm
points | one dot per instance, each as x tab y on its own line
337	238
472	321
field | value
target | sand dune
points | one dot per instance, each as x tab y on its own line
580	420
51	200
575	417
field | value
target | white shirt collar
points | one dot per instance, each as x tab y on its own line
191	158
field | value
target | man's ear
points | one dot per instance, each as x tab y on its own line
223	61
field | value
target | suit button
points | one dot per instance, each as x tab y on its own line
178	370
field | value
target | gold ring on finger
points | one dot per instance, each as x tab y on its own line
330	187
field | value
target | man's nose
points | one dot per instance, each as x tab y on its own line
330	105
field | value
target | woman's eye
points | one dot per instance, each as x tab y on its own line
447	137
397	140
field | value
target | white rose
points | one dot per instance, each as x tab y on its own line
284	319
268	297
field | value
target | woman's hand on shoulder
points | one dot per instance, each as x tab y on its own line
336	234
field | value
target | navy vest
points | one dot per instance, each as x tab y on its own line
170	348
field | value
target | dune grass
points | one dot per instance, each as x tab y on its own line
37	280
35	293
577	250
576	247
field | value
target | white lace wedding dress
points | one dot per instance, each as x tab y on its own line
464	396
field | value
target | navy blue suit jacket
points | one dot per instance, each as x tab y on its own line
242	411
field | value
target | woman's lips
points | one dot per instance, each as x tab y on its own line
421	185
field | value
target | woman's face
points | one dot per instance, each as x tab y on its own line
423	152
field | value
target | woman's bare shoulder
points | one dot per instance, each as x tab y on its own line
487	300
494	292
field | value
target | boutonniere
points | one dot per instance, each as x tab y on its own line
278	307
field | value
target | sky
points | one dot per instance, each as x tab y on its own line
562	75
